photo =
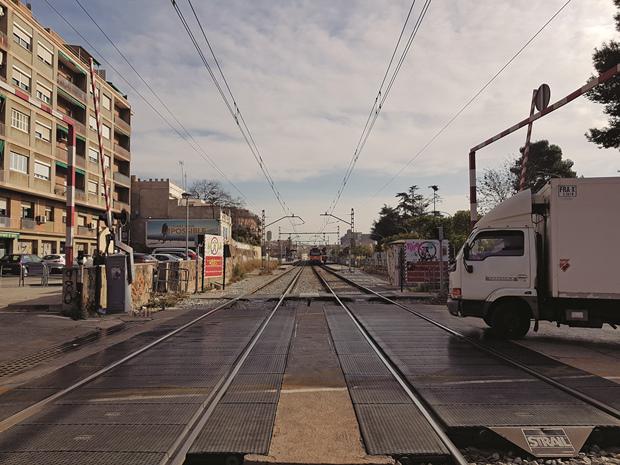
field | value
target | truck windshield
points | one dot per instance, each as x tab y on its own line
496	243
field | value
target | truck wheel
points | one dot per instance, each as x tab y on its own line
510	320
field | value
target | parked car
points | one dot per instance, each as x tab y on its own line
33	264
178	251
166	257
144	258
55	262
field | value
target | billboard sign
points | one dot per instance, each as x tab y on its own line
214	256
171	232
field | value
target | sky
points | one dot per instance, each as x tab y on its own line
305	74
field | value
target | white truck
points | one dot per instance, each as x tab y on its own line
553	255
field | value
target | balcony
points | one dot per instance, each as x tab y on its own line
80	195
5	221
71	88
4	40
121	124
85	231
122	178
60	190
123	152
28	223
79	127
2	129
118	205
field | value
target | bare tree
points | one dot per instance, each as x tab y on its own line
495	186
214	194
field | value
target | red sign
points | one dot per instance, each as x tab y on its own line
214	256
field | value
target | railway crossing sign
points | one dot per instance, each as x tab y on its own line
543	95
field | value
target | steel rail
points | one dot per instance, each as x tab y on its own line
610	410
40	405
178	452
428	415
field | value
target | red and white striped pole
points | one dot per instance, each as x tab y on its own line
106	191
526	148
71	216
601	78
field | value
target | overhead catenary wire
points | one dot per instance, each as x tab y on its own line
381	96
471	100
193	143
231	104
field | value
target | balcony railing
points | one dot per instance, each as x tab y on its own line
80	195
4	176
71	88
4	40
2	129
122	178
79	127
28	223
85	231
5	221
123	152
118	205
60	190
121	124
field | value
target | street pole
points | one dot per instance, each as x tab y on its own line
440	233
262	240
280	242
351	242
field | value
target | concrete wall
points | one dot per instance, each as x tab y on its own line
142	286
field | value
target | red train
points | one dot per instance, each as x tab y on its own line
317	256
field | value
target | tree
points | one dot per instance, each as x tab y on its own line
388	224
411	204
495	186
214	194
608	93
544	162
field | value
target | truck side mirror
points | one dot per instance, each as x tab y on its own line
468	267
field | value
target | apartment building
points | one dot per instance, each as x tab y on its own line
33	145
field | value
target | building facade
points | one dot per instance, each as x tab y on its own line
33	145
359	239
158	214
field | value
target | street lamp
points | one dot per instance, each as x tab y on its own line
435	189
186	196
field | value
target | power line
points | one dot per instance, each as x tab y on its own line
471	100
231	104
382	96
200	151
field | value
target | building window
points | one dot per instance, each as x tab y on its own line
20	120
81	220
93	187
45	54
28	210
49	213
22	37
19	163
44	94
92	122
106	161
105	131
21	79
93	155
43	132
106	102
4	206
41	171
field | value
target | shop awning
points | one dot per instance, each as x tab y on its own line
79	69
9	235
72	99
62	164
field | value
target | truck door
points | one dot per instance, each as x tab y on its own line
496	259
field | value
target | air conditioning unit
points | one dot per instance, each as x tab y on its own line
41	219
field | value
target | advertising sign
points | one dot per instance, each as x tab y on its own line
171	233
214	256
420	250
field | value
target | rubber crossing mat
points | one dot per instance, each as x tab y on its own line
390	422
483	392
242	422
135	412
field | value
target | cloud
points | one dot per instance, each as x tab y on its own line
305	73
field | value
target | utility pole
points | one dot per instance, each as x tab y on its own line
435	189
351	242
262	239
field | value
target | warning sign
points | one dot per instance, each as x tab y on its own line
214	256
548	441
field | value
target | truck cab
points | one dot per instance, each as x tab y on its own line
495	274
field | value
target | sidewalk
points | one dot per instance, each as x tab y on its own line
32	296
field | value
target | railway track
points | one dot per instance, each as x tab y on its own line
478	386
127	395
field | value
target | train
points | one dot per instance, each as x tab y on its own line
317	256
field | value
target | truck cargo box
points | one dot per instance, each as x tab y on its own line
583	237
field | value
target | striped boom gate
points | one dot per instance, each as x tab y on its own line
473	201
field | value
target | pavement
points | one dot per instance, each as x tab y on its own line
32	296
